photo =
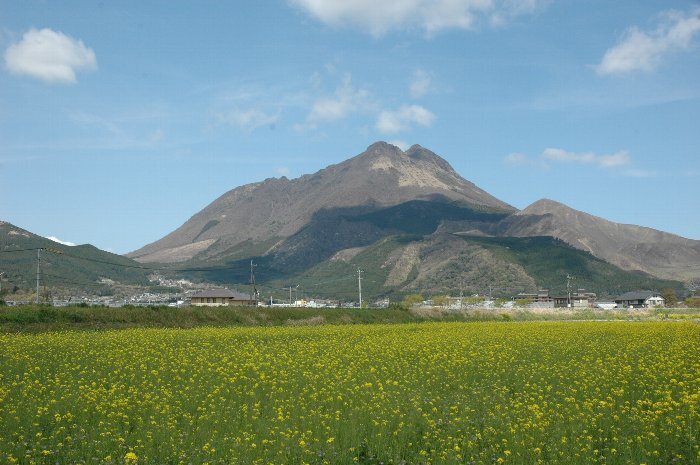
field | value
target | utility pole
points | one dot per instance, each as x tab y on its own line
1	275
290	295
461	292
253	290
38	273
359	284
568	290
38	267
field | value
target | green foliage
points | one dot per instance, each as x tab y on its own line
64	267
692	302
441	300
398	306
412	299
34	318
549	260
669	295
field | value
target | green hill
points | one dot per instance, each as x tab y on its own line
443	264
62	268
549	260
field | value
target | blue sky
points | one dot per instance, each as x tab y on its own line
120	120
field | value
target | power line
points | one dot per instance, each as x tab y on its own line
72	281
127	265
21	250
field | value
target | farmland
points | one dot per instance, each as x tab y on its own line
480	392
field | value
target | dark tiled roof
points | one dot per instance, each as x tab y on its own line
225	293
637	295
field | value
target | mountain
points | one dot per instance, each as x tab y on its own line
444	263
627	246
83	267
412	224
261	215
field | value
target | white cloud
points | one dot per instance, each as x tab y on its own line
420	84
555	155
379	17
345	100
521	159
639	50
250	119
55	239
403	118
518	159
605	161
50	56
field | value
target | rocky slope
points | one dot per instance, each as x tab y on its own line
420	225
628	246
267	212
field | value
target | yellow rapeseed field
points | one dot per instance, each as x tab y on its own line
436	393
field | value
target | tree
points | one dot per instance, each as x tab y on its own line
669	295
441	300
474	300
412	299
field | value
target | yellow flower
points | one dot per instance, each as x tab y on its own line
131	458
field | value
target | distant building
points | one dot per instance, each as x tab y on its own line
578	299
640	299
221	297
539	299
606	305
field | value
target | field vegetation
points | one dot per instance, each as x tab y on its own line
429	393
38	318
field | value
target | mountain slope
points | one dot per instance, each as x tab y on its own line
444	263
627	246
83	267
412	223
382	176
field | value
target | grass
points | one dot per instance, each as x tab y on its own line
438	393
37	318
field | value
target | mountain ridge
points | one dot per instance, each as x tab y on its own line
62	266
383	175
631	247
298	224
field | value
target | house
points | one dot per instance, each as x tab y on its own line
539	299
578	299
640	299
221	297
